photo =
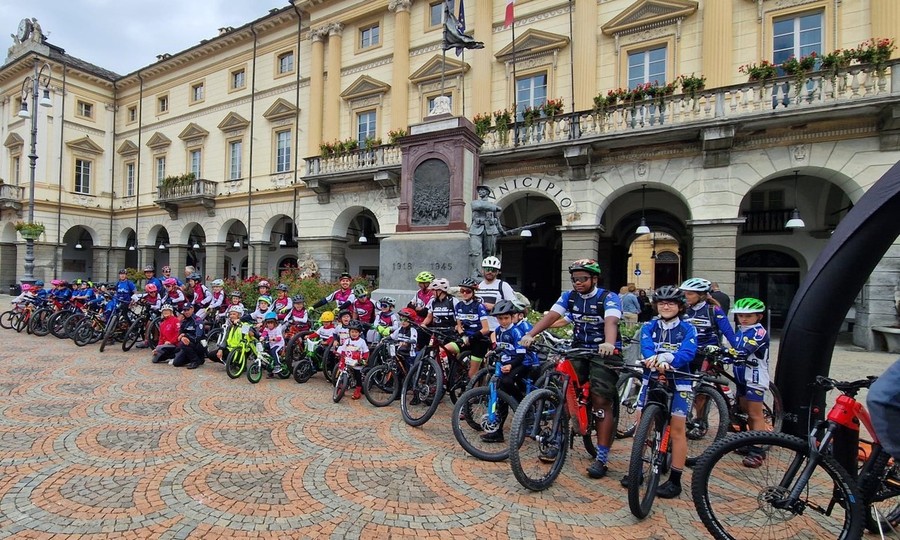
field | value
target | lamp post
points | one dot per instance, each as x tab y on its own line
30	87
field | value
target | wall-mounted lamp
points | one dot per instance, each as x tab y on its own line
78	245
162	246
131	248
526	233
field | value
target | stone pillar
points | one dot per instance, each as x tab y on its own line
177	259
714	246
316	90
116	261
328	252
332	102
147	255
215	261
482	63
259	258
400	66
885	19
585	26
579	242
875	303
718	42
100	265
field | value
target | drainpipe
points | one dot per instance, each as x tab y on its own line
250	172
112	177
296	121
62	126
137	180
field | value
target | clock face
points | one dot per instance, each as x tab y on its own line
24	29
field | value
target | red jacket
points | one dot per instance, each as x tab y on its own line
168	331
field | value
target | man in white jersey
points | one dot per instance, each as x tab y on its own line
493	289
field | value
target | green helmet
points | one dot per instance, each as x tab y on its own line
749	305
425	277
585	265
359	291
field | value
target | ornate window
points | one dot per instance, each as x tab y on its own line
83	176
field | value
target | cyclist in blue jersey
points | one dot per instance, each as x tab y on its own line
150	276
125	288
472	323
595	314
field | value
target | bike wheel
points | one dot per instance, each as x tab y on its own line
132	335
6	319
735	501
72	323
151	336
57	323
459	379
381	386
629	388
423	389
481	378
481	418
254	370
38	323
19	322
342	381
285	372
212	340
712	421
235	363
773	410
329	363
304	370
537	451
109	331
878	485
82	333
645	463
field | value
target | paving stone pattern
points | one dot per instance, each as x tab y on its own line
111	446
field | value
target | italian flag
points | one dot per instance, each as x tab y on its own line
509	13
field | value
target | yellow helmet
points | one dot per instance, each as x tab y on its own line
327	317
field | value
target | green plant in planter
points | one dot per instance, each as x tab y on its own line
761	72
326	150
503	119
876	52
529	114
395	135
372	142
482	124
691	84
800	68
350	145
30	230
552	107
835	61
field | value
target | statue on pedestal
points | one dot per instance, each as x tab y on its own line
485	228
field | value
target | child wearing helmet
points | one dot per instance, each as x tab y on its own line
283	304
441	309
217	303
423	296
169	326
299	316
263	304
174	294
492	289
236	298
343	297
202	295
151	297
363	307
232	334
263	287
668	343
342	325
355	347
752	381
471	323
704	312
327	330
386	322
273	338
27	296
406	335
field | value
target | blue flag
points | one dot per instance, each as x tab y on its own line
461	24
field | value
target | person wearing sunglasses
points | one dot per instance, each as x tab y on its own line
594	313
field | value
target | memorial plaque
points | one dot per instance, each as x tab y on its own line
431	194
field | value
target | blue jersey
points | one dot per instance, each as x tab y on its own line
531	357
587	315
470	314
754	341
41	294
508	348
124	290
677	337
158	282
699	316
62	294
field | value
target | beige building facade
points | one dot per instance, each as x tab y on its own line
286	125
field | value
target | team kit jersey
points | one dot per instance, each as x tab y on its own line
491	293
678	338
443	314
753	381
709	330
470	314
587	314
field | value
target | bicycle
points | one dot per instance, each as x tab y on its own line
800	488
140	327
381	385
309	352
264	361
118	323
483	410
544	416
348	360
237	359
90	329
651	451
424	386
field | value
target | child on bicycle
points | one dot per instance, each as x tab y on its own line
363	307
218	304
386	322
342	326
670	343
406	336
299	315
236	300
174	295
273	337
517	364
26	297
355	347
232	334
752	381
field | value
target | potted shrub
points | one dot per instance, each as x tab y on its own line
529	113
395	135
326	150
835	61
29	231
503	119
372	142
761	72
482	124
691	84
800	68
350	145
552	107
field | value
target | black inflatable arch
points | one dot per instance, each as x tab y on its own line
827	293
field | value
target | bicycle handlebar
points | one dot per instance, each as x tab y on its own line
826	383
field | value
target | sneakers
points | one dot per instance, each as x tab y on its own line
754	461
597	469
193	365
625	480
492	437
548	455
669	490
357	393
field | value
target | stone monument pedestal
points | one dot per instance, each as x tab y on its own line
404	255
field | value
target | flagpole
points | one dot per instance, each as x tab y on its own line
443	46
572	133
462	90
515	89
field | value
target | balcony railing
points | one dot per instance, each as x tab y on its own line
11	197
716	104
197	188
765	221
356	160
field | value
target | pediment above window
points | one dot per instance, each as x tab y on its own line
431	70
14	140
533	43
233	121
364	86
192	131
645	14
158	140
127	148
282	108
85	144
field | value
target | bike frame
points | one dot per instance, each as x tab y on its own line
576	396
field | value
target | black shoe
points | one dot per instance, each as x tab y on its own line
669	490
625	480
193	365
597	469
696	433
493	437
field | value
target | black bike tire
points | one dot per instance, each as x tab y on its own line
460	410
235	357
254	371
713	398
342	381
132	335
624	432
109	330
81	335
19	322
481	378
72	322
653	420
855	518
285	372
304	370
151	335
873	490
777	410
370	380
57	323
413	374
6	319
457	388
517	434
291	353
329	362
38	323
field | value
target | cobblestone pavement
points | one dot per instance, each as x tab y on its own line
109	445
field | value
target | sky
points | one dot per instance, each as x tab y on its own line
125	35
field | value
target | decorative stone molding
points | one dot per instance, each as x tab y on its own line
335	29
889	129
399	5
544	15
14	141
233	122
281	109
192	134
717	145
533	44
389	181
87	201
318	34
368	66
645	14
158	141
799	152
85	144
282	180
364	87
127	148
431	70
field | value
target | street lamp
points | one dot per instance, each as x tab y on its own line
31	87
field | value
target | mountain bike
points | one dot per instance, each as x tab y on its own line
309	352
56	324
541	431
143	315
424	386
90	329
38	324
381	385
118	323
762	484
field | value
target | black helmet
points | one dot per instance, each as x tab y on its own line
343	312
298	298
504	307
195	276
282	287
670	293
354	325
468	283
345	275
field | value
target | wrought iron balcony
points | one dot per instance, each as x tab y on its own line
187	194
11	197
765	221
381	164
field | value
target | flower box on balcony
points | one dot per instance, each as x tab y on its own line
30	231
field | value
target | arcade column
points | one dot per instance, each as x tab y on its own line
714	247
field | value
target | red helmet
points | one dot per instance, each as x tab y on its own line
407	312
150	288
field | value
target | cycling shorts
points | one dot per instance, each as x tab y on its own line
603	379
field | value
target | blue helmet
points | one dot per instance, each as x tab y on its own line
270	316
39	283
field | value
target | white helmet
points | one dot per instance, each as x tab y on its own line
696	284
440	284
491	262
218	283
